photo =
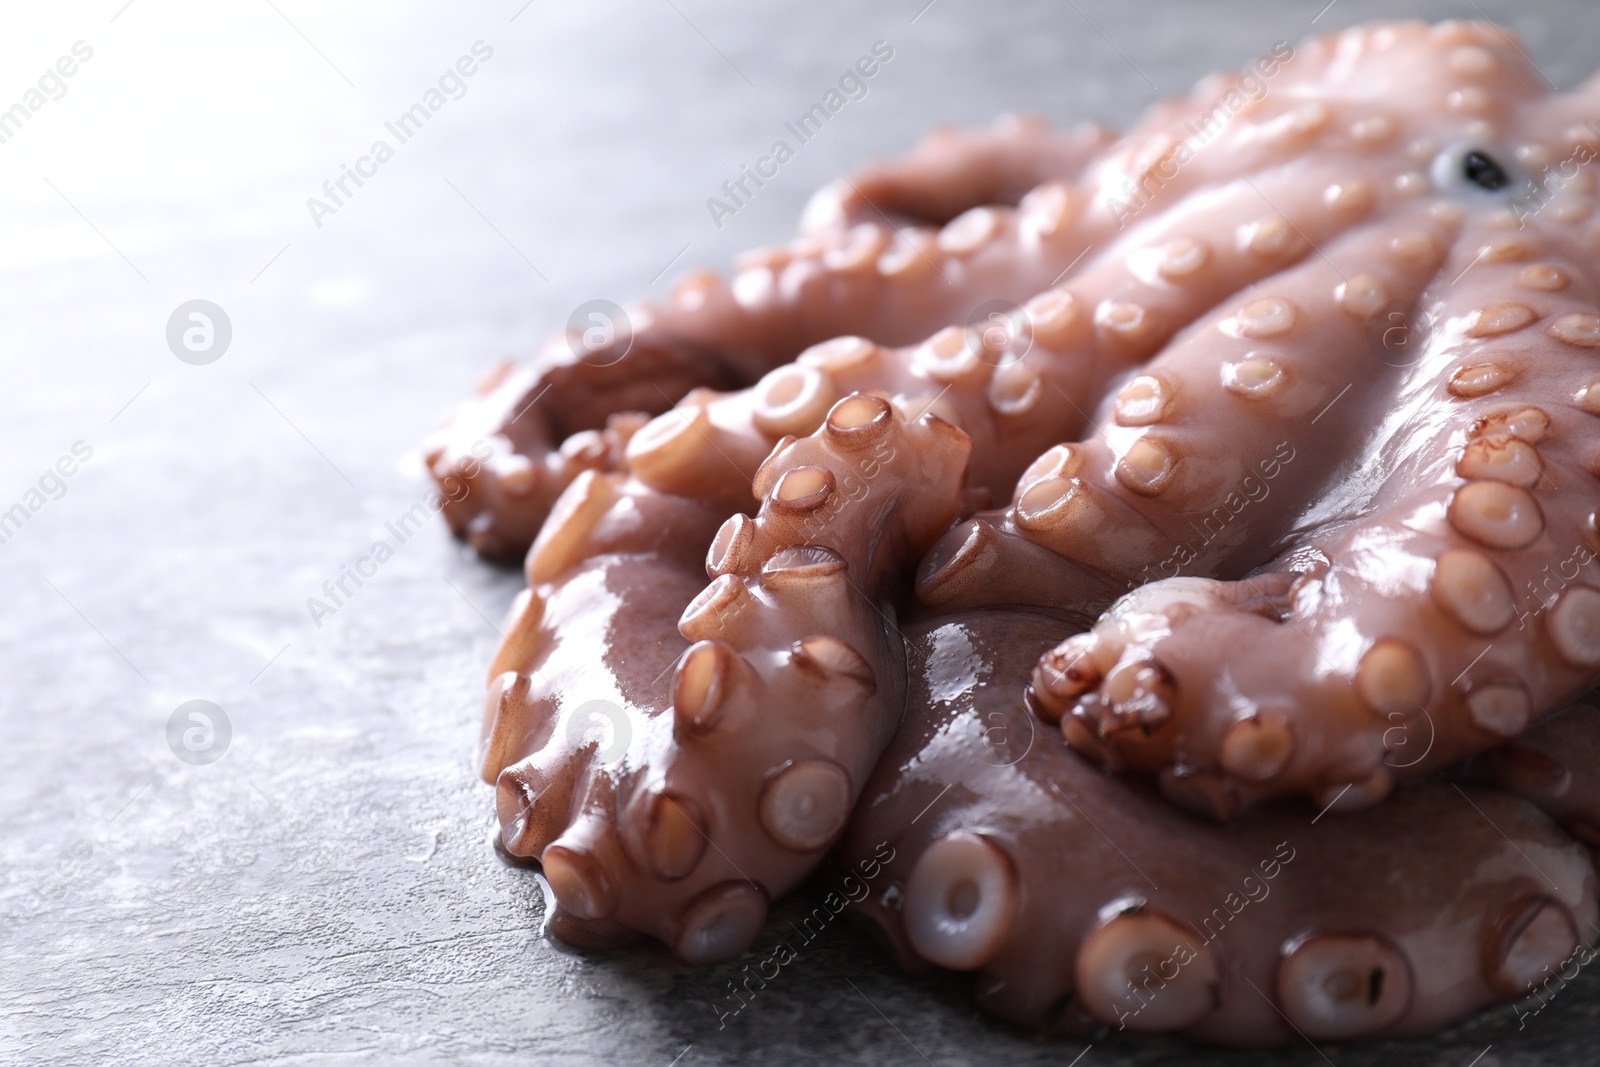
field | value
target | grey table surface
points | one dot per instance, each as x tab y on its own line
325	892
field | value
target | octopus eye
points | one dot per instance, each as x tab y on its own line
1481	170
1469	166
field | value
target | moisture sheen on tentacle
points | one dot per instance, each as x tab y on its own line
1299	375
1081	899
690	806
1460	605
1429	592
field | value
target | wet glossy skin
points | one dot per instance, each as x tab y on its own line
1267	910
739	718
1312	560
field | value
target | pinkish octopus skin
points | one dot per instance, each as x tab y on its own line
1331	561
1556	765
1082	899
748	712
854	272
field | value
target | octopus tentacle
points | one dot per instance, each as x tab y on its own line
1082	899
893	287
1027	376
855	274
1176	475
527	433
696	807
951	171
1556	765
850	276
1405	624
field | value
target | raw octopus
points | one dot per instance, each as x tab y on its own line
1288	393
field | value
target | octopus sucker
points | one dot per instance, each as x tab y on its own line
644	824
1469	525
531	431
1389	921
1131	501
1168	560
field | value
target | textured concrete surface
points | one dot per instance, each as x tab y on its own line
325	892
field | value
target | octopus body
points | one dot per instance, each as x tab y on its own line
1249	457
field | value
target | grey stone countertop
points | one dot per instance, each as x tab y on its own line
325	892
